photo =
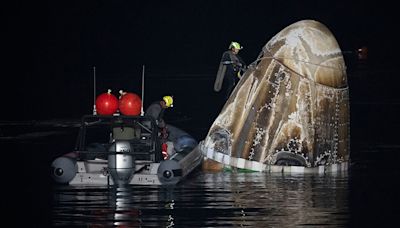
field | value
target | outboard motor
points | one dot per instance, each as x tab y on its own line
63	169
121	163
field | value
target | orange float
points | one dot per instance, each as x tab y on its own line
106	103
130	104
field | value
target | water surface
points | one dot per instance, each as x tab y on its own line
224	199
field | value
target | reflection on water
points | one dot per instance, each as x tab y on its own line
366	196
210	200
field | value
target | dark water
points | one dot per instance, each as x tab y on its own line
211	200
366	196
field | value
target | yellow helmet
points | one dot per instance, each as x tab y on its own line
168	101
235	45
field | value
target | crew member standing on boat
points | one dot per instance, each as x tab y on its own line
156	110
230	70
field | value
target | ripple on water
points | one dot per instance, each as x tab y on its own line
209	200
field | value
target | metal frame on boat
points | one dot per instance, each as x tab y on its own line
120	150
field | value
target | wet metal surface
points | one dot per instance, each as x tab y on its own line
291	107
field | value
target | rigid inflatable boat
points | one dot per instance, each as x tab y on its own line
121	150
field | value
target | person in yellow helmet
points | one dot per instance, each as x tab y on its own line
156	110
230	70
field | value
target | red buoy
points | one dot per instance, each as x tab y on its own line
130	104
106	103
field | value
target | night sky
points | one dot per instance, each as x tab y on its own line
51	47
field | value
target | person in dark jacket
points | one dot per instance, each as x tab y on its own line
231	69
156	110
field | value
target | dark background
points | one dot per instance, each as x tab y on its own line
49	50
51	47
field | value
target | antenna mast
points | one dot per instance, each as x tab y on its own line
94	91
141	111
